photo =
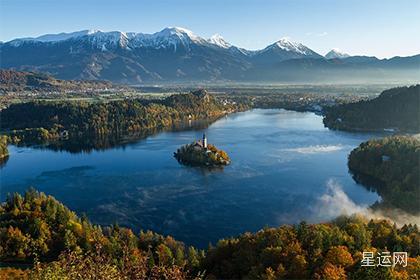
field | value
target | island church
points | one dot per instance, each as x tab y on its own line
201	144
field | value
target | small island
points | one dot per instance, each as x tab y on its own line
199	153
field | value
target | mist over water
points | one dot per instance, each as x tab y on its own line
336	202
286	167
315	149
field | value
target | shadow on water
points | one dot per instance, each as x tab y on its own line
390	199
368	182
204	170
3	161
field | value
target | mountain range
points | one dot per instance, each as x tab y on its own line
178	55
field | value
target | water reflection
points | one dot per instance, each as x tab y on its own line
3	161
87	143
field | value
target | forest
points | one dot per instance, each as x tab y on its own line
191	154
4	152
391	167
40	238
18	81
394	109
47	120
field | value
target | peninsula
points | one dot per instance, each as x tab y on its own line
45	121
199	153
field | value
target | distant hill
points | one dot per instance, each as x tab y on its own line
178	55
16	81
394	109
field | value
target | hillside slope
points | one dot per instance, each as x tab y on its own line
394	109
37	228
17	81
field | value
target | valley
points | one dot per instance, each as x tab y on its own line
209	140
115	165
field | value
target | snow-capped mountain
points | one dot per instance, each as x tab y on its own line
171	37
281	50
336	53
54	37
287	45
177	54
96	38
219	41
172	53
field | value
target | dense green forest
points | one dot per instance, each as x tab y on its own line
390	166
396	108
37	230
46	121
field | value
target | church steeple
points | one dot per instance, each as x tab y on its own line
204	141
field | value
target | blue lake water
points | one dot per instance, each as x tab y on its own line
286	167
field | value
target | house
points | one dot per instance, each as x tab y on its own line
64	134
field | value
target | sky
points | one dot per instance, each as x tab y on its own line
383	28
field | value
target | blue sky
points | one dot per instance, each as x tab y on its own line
384	28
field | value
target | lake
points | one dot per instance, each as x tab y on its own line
286	167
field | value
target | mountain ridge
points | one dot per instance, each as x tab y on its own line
336	53
176	54
140	38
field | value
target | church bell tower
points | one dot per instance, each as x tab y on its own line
204	141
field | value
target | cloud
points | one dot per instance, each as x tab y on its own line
335	202
315	149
